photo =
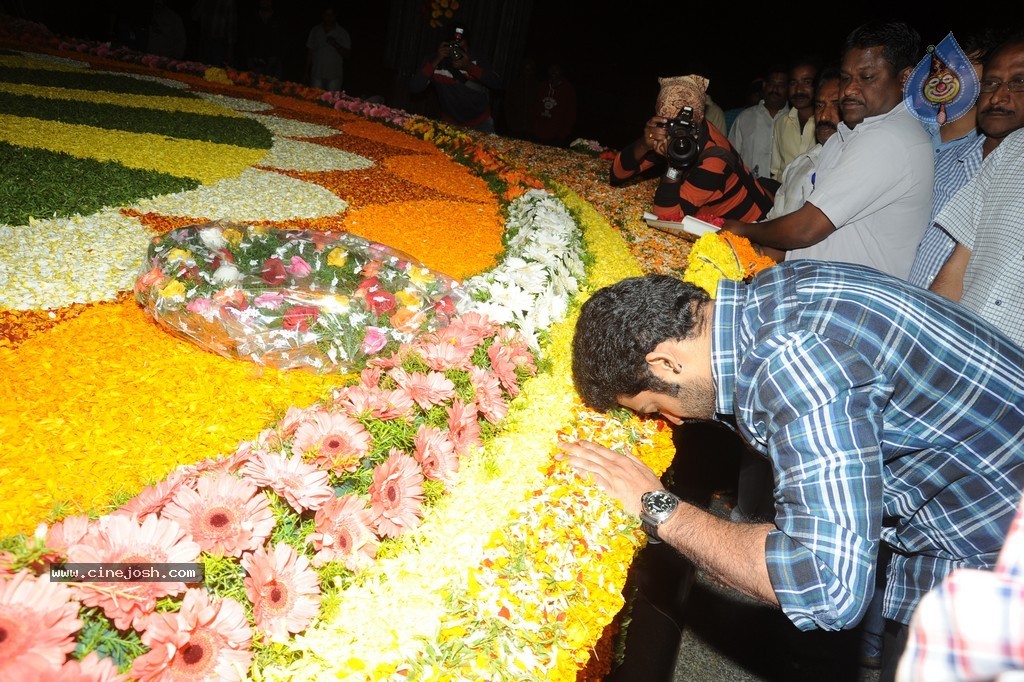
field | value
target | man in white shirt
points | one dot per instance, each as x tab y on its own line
985	217
326	48
751	132
872	196
794	132
800	175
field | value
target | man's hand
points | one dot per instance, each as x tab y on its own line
624	477
443	50
654	138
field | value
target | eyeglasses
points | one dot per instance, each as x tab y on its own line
1016	85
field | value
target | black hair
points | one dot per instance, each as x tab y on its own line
982	41
805	60
620	324
1009	39
826	73
900	42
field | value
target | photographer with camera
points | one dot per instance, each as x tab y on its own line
701	171
463	83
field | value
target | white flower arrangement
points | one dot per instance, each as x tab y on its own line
543	263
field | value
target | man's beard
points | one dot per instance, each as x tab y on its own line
696	397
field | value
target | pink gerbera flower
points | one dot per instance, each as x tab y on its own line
283	588
301	484
153	498
38	620
444	355
344	533
504	368
464	426
370	376
435	453
66	532
471	327
225	514
124	540
394	360
207	639
91	668
396	495
332	440
275	436
518	348
509	353
225	465
364	401
427	390
488	395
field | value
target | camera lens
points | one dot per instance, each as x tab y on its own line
682	151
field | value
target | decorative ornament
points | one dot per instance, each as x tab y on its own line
944	84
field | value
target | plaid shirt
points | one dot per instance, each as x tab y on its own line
954	167
970	627
888	413
986	217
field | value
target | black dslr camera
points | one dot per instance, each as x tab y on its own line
455	49
682	133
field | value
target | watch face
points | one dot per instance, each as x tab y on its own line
659	502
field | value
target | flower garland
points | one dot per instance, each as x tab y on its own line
718	255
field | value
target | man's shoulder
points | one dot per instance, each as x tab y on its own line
747	113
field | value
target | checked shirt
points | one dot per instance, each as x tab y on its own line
889	415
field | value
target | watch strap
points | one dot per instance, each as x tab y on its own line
650	526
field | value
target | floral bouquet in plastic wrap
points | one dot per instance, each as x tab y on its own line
323	301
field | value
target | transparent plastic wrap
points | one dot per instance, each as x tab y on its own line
285	298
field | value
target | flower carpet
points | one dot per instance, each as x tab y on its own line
397	515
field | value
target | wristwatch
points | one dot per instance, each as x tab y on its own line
655	507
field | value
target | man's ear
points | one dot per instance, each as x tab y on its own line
905	74
662	362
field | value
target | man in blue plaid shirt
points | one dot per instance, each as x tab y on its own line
888	414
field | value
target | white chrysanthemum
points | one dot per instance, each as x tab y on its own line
493	311
510	296
59	261
253	195
530	277
540	254
288	127
306	156
235	103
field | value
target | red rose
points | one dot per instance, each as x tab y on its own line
273	271
366	287
380	302
300	317
445	306
222	255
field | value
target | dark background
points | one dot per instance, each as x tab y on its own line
612	52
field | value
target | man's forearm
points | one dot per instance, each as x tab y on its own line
802	228
733	553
